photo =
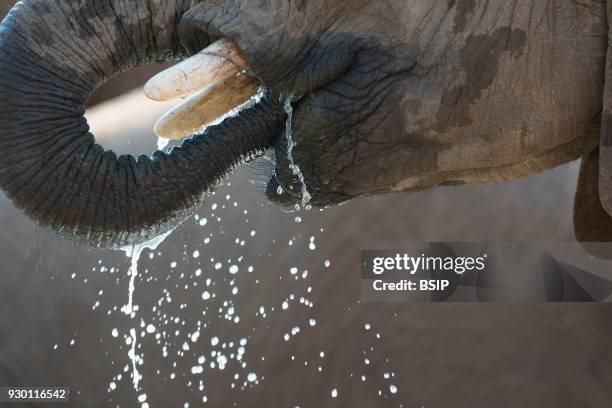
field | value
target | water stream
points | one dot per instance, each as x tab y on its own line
295	169
134	252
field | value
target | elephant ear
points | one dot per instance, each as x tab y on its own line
592	223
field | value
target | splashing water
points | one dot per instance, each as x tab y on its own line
194	321
295	169
201	305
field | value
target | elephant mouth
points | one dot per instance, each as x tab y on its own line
212	85
297	186
287	185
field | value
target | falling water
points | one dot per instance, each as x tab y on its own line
134	252
290	145
129	309
133	357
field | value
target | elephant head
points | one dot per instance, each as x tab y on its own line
53	55
383	95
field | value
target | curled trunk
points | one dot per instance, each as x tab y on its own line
53	54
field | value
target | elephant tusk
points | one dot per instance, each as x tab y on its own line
216	63
206	106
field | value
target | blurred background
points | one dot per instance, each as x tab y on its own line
247	304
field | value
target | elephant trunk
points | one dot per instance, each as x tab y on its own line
53	54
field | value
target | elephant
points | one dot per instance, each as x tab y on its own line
359	97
